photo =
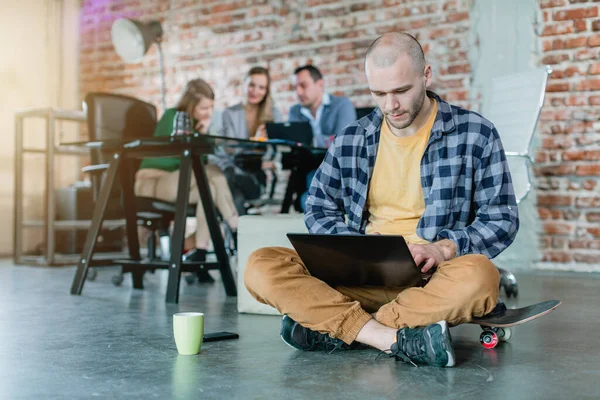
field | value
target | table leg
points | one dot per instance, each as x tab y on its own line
181	205
127	183
291	189
97	218
213	226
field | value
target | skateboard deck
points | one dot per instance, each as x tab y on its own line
496	325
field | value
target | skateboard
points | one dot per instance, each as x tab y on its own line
496	325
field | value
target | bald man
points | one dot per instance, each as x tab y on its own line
418	167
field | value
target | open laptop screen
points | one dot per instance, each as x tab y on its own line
298	132
357	260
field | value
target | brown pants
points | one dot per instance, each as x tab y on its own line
163	186
459	290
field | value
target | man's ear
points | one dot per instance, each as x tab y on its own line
321	83
428	75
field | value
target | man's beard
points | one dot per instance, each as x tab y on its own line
416	105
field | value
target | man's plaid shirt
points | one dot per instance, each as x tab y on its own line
468	191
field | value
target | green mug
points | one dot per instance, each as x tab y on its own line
188	329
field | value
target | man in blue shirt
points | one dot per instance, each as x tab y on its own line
327	114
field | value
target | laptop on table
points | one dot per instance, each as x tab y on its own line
357	260
296	132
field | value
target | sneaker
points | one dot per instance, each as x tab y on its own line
195	255
431	345
301	338
199	255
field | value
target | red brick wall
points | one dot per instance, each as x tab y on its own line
568	167
220	39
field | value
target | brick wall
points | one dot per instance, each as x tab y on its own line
219	40
568	167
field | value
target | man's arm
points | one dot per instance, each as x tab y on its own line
496	215
277	115
447	248
324	205
346	115
294	114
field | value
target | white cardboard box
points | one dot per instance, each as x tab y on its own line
255	232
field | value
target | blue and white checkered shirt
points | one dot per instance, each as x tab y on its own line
468	191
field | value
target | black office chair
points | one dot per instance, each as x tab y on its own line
362	111
250	162
112	116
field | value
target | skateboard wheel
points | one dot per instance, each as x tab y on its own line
486	328
488	339
505	334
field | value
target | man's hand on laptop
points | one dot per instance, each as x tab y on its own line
426	256
430	255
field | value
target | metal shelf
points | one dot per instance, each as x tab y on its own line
70	259
61	150
55	113
74	224
49	222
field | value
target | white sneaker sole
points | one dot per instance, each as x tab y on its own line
281	336
450	353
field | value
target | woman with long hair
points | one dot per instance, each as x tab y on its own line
159	177
247	120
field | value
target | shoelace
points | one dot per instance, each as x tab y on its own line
409	342
391	353
403	357
316	339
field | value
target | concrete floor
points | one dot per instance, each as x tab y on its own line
115	343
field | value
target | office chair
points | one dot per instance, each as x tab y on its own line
514	107
112	116
362	111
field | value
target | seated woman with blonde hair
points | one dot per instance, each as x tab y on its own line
247	120
159	177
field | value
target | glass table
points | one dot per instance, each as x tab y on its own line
192	151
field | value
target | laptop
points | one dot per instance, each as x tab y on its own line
297	132
357	260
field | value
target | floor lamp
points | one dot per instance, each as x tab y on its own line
132	39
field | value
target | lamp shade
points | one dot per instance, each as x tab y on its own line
132	39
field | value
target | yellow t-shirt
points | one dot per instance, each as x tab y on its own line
395	199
